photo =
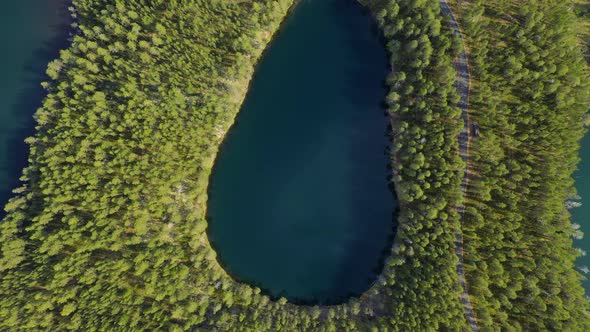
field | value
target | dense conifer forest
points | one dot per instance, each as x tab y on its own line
529	96
108	232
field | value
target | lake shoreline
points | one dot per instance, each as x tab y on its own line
393	220
28	101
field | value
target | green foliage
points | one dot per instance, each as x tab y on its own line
529	98
425	165
109	231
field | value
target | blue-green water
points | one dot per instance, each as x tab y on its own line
31	34
581	215
299	199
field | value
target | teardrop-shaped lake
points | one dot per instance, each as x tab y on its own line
299	202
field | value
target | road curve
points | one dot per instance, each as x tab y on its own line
463	85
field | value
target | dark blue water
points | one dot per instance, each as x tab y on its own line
299	199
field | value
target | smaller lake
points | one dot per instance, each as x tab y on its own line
299	199
581	215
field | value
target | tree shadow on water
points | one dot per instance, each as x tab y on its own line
369	56
31	96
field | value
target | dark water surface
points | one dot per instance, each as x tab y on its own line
299	199
31	34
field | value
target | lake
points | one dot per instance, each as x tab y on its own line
31	32
299	200
581	215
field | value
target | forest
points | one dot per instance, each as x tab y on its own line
530	97
109	230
